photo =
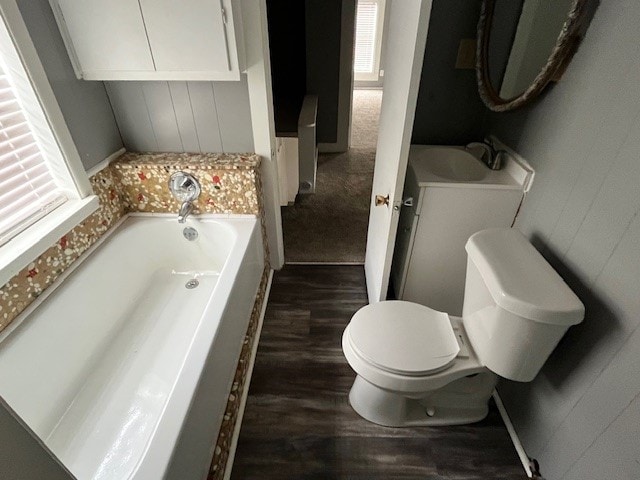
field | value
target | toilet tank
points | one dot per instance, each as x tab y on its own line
516	306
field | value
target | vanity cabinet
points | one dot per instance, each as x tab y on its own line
442	212
151	39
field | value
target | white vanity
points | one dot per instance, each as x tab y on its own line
449	195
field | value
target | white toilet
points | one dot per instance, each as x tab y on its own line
418	366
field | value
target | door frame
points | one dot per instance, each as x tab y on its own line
258	71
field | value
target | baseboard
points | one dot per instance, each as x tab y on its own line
324	264
245	393
524	458
333	147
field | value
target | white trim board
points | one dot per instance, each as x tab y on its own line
325	264
243	401
254	21
524	458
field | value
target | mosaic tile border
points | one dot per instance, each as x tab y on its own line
28	284
232	410
230	183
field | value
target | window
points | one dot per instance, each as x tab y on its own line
27	187
44	191
369	23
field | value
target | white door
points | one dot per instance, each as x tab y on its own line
407	36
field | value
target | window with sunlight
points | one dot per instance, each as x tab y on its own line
27	187
43	191
369	21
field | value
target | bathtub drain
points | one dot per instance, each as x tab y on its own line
190	233
193	283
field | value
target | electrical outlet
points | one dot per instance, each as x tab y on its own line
466	59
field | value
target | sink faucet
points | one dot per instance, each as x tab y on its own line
490	155
185	210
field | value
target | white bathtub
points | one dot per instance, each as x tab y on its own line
122	371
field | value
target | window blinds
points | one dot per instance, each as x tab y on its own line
27	187
366	25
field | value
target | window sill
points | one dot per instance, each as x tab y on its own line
35	240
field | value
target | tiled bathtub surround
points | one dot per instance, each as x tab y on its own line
229	182
27	285
137	182
232	410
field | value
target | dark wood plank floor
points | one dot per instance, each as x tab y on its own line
298	423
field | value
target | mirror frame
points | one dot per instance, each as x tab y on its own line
561	55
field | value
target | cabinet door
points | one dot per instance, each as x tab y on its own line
106	36
187	35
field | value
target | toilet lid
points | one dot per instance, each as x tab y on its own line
403	337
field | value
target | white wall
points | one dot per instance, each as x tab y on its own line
581	416
183	116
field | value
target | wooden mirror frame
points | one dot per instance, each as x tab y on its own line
557	62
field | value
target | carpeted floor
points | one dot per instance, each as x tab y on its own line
330	226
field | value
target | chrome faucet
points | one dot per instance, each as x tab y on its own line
490	156
185	210
186	188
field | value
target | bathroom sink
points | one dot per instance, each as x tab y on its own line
456	164
439	165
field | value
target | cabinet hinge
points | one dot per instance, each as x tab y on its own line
224	16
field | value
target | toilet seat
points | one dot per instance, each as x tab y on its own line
403	338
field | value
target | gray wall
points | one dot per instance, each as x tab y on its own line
581	416
323	37
183	116
449	110
23	456
85	105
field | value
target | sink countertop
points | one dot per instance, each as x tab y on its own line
512	175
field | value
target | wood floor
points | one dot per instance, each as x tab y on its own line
298	423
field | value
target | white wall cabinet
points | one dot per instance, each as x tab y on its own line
152	39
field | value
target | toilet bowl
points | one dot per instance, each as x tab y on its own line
418	366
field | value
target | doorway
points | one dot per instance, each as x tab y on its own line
330	225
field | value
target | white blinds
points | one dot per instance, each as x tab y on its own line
27	188
366	24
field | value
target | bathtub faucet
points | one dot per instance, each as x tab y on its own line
185	210
186	188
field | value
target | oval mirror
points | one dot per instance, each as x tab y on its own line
522	46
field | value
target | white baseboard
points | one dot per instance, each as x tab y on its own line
524	458
324	264
245	393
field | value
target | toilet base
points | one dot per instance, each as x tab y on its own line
461	402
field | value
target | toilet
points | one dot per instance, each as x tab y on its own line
417	366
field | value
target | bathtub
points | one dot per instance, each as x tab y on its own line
124	370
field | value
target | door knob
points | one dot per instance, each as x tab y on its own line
380	200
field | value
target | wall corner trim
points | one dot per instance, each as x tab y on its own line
105	163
